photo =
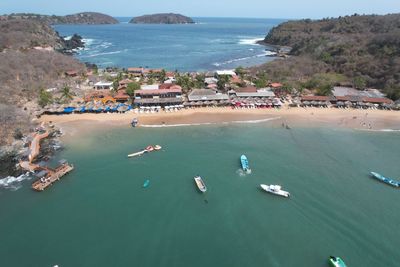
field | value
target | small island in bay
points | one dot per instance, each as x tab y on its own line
164	18
91	18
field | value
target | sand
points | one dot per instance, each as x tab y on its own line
294	117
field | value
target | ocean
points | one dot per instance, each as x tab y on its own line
100	215
210	44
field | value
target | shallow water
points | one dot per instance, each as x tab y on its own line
100	215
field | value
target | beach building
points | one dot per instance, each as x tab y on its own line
250	96
316	101
121	96
103	85
230	73
205	97
150	87
123	84
136	71
158	97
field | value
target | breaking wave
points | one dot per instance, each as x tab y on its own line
252	41
14	183
266	53
207	123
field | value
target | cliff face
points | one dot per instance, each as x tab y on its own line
80	18
167	18
366	48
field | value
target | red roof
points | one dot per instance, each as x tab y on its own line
135	70
315	98
342	98
249	89
276	85
126	81
157	92
377	100
170	74
169	86
236	79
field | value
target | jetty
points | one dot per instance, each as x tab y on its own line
48	176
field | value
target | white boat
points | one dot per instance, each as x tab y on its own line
200	184
275	189
157	147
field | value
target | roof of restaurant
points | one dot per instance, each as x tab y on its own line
150	87
248	89
166	100
380	100
256	94
206	94
157	92
315	98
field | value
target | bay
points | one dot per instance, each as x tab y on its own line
100	215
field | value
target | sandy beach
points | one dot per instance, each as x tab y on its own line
294	117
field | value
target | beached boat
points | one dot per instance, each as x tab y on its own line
336	262
157	147
134	122
385	179
200	184
245	163
146	183
275	189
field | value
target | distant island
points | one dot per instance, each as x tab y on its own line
164	18
91	18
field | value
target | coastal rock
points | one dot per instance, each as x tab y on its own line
163	18
73	43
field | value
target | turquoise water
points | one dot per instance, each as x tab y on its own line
211	43
100	215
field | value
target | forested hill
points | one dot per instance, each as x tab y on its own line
363	48
163	18
79	18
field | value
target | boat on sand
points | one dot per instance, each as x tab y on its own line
275	189
200	184
336	262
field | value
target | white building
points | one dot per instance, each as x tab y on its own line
103	85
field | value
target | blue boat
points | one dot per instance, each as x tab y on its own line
245	163
146	183
385	179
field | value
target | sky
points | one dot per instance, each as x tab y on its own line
288	9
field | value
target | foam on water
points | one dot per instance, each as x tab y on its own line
266	53
207	123
14	183
252	41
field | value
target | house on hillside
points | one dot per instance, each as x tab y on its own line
229	73
103	85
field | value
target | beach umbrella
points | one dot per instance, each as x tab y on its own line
306	103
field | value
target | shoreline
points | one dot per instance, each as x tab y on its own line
294	117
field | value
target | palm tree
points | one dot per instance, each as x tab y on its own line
66	94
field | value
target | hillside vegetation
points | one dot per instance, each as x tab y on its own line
365	49
79	18
25	70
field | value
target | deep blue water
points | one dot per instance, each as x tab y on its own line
211	43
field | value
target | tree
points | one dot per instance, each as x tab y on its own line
359	82
66	94
222	81
132	87
199	82
45	98
325	89
240	71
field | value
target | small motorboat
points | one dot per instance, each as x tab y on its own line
385	179
200	184
157	147
275	189
245	163
149	148
336	262
146	183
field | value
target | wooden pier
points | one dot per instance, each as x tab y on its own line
52	176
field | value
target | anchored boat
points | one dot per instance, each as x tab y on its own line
385	179
336	262
275	189
245	163
146	183
200	184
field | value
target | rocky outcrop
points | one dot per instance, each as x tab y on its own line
79	18
164	18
